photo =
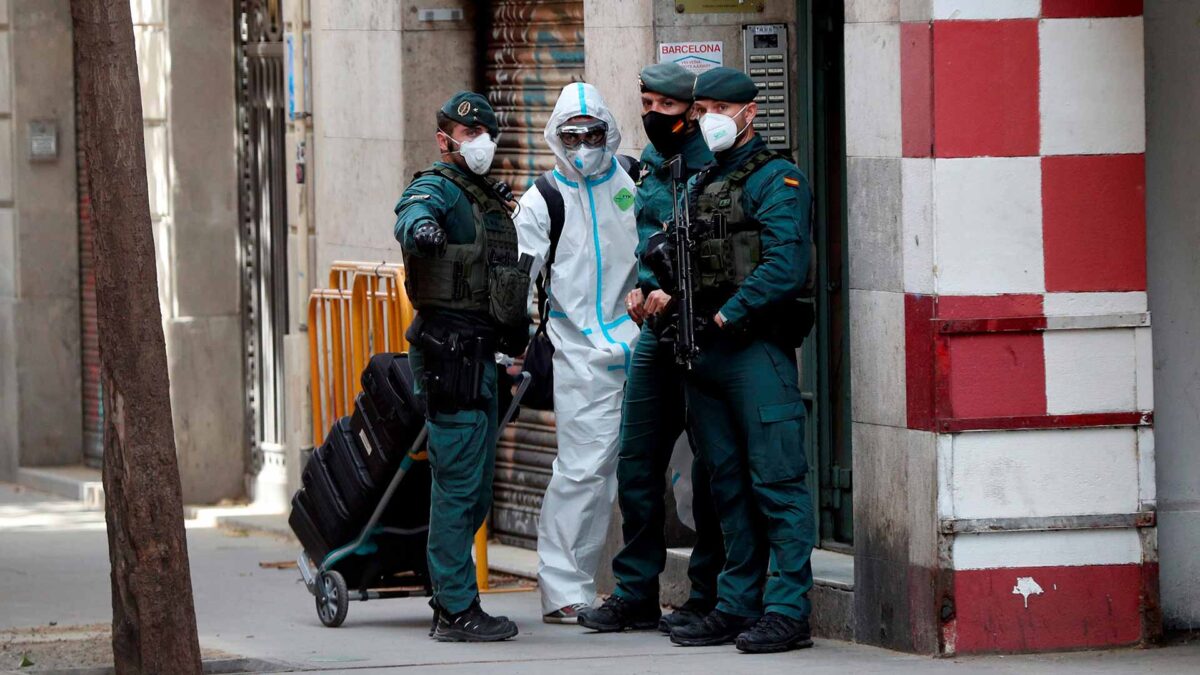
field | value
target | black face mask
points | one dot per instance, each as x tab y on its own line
666	132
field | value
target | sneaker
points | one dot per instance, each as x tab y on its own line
568	614
717	628
775	633
471	625
691	612
618	614
438	612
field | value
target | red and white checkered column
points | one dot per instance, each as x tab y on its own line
1027	338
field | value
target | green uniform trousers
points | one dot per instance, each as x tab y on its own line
652	419
747	415
462	459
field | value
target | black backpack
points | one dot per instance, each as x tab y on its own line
539	356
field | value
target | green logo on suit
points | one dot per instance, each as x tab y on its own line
623	199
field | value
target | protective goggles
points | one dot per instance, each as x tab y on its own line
591	134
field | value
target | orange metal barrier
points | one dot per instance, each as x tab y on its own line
364	311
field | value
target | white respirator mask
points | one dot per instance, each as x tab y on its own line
477	152
589	161
720	131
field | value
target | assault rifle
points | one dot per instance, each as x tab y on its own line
669	256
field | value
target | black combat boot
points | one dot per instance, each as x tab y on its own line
618	614
693	611
775	633
717	628
471	625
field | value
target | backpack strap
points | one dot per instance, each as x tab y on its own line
631	165
546	185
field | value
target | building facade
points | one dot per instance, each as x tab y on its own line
1002	383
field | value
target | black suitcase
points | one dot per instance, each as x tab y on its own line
409	509
305	527
375	437
388	415
329	510
346	461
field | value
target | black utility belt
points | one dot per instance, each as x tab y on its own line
455	359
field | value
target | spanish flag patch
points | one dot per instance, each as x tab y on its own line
791	182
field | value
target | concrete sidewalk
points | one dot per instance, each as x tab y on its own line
54	568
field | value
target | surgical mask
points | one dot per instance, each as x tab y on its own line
720	131
477	152
666	132
589	161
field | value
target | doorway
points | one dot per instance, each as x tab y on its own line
261	100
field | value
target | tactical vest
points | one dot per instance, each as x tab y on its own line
481	276
729	244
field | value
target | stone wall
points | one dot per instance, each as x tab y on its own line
379	75
186	67
40	389
1002	402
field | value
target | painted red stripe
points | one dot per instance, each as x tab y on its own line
1085	606
1094	222
1111	419
916	89
918	360
985	93
991	375
989	306
1081	9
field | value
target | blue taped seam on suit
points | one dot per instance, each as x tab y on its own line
568	181
613	324
600	268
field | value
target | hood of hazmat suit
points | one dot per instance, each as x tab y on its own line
594	269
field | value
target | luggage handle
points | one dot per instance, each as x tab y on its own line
523	381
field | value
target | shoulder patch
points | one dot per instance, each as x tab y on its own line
791	182
417	197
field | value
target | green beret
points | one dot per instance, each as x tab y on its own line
725	84
668	79
469	108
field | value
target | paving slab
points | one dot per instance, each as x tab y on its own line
54	568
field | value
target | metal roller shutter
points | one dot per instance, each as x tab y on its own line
524	457
534	49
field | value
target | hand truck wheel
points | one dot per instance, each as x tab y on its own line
333	599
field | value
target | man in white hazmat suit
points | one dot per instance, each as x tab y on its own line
593	269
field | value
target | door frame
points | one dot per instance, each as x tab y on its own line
820	116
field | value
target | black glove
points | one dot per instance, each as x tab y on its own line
658	258
430	238
513	340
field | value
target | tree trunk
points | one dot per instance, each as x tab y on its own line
154	618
